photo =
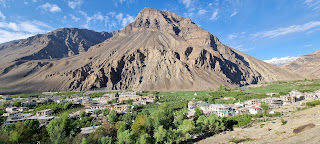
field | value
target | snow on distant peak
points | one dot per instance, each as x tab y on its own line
281	61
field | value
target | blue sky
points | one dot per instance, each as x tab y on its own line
265	29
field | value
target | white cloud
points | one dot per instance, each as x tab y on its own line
281	61
124	20
116	2
25	2
30	27
314	4
2	16
3	2
202	11
214	15
188	15
96	17
6	36
231	36
50	7
287	30
308	45
234	13
112	13
26	26
74	17
240	48
13	26
75	3
19	30
127	20
119	17
187	3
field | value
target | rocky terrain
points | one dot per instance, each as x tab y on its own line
301	127
158	51
309	64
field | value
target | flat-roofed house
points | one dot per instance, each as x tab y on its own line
288	99
44	112
253	102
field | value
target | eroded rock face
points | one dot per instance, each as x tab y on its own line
158	51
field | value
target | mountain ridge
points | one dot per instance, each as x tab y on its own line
158	51
59	43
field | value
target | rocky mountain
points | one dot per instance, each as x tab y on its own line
60	43
158	51
309	64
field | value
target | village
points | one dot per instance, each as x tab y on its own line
252	106
124	102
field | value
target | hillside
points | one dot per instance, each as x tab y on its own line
158	51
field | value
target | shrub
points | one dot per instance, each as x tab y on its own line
313	103
283	122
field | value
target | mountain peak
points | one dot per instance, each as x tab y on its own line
150	19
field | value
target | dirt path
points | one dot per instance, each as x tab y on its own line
279	133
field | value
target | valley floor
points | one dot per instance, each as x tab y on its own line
259	133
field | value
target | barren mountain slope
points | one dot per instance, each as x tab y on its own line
158	51
309	64
56	44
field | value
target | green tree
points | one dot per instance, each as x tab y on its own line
164	116
180	116
172	136
113	117
144	139
125	137
32	125
67	105
97	112
127	118
160	135
61	128
149	125
187	128
265	107
122	127
202	128
56	131
82	114
105	140
14	137
198	113
16	103
214	123
105	111
138	126
84	141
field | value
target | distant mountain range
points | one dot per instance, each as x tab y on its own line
281	61
158	51
60	43
309	64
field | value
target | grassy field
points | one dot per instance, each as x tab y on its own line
285	87
187	95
